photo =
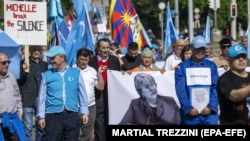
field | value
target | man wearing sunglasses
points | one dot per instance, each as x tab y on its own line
11	127
222	60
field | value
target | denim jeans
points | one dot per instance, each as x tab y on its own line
28	116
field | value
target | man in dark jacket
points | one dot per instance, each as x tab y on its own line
132	59
29	83
103	58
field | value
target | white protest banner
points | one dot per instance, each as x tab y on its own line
121	91
26	22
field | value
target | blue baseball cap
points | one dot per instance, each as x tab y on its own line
236	50
199	41
154	46
55	50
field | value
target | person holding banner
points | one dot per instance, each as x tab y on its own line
11	107
234	89
147	62
62	97
150	108
195	84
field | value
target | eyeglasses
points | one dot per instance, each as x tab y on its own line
5	62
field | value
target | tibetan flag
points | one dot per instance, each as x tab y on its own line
170	34
207	32
80	36
125	25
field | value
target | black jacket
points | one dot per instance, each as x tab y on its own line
27	82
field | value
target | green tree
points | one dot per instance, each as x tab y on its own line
148	12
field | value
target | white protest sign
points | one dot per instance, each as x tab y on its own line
26	22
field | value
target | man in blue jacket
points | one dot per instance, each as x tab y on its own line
195	83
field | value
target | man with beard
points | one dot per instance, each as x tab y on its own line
132	59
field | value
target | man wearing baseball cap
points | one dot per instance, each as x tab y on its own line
234	89
194	78
61	91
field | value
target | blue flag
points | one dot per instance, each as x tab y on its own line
55	11
146	36
248	42
170	33
96	18
78	4
207	31
80	36
12	50
54	38
63	32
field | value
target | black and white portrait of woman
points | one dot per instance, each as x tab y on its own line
150	108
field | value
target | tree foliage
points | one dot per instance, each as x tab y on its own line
148	12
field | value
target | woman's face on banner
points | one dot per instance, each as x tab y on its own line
149	91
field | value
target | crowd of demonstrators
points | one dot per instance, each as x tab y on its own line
110	62
92	79
153	108
221	61
174	59
62	97
29	84
55	83
234	89
11	108
197	77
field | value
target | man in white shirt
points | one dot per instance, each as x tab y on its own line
174	59
91	79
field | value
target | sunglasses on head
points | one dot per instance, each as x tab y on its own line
5	62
